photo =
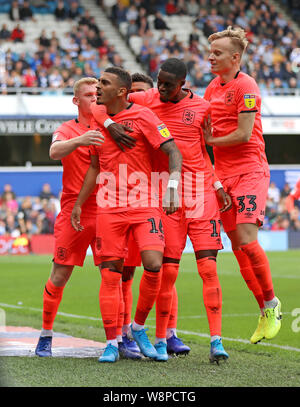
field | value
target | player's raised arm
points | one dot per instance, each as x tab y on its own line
61	148
171	199
87	188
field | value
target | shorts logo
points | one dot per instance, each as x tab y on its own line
61	253
128	123
250	101
162	128
98	243
188	116
229	97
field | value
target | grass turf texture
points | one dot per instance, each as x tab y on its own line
22	283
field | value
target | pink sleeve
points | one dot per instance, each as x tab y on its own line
60	134
248	97
138	98
155	131
99	113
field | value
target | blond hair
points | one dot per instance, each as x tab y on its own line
237	36
83	81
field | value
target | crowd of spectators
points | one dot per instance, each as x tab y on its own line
273	53
28	215
56	61
272	57
278	216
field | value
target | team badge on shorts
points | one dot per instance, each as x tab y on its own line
61	253
229	97
162	128
188	116
250	101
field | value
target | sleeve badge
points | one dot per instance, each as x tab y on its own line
250	101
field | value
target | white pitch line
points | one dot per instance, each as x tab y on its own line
246	341
237	274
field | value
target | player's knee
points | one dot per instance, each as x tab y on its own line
207	268
60	274
153	265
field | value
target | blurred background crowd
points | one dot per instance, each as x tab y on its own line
56	61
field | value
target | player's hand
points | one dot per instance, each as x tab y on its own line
171	201
91	137
224	200
207	131
119	133
75	218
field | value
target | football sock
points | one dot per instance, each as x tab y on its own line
125	330
271	304
149	287
171	332
137	327
109	299
165	297
212	293
249	276
46	332
164	340
261	268
214	337
127	298
51	299
120	320
113	342
172	323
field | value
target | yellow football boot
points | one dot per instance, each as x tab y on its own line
259	332
273	318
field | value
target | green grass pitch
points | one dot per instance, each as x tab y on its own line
271	363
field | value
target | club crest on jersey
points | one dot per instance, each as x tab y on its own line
250	101
229	97
188	116
162	128
128	123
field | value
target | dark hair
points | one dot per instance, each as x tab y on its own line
139	77
175	66
123	76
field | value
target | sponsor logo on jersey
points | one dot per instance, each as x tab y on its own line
250	101
162	128
188	116
54	137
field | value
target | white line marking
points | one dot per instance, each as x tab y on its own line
246	341
238	274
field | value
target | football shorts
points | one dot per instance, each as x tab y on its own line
249	194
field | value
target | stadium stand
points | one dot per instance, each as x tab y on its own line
52	43
51	48
180	29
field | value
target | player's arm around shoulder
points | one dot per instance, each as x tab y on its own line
241	134
61	148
